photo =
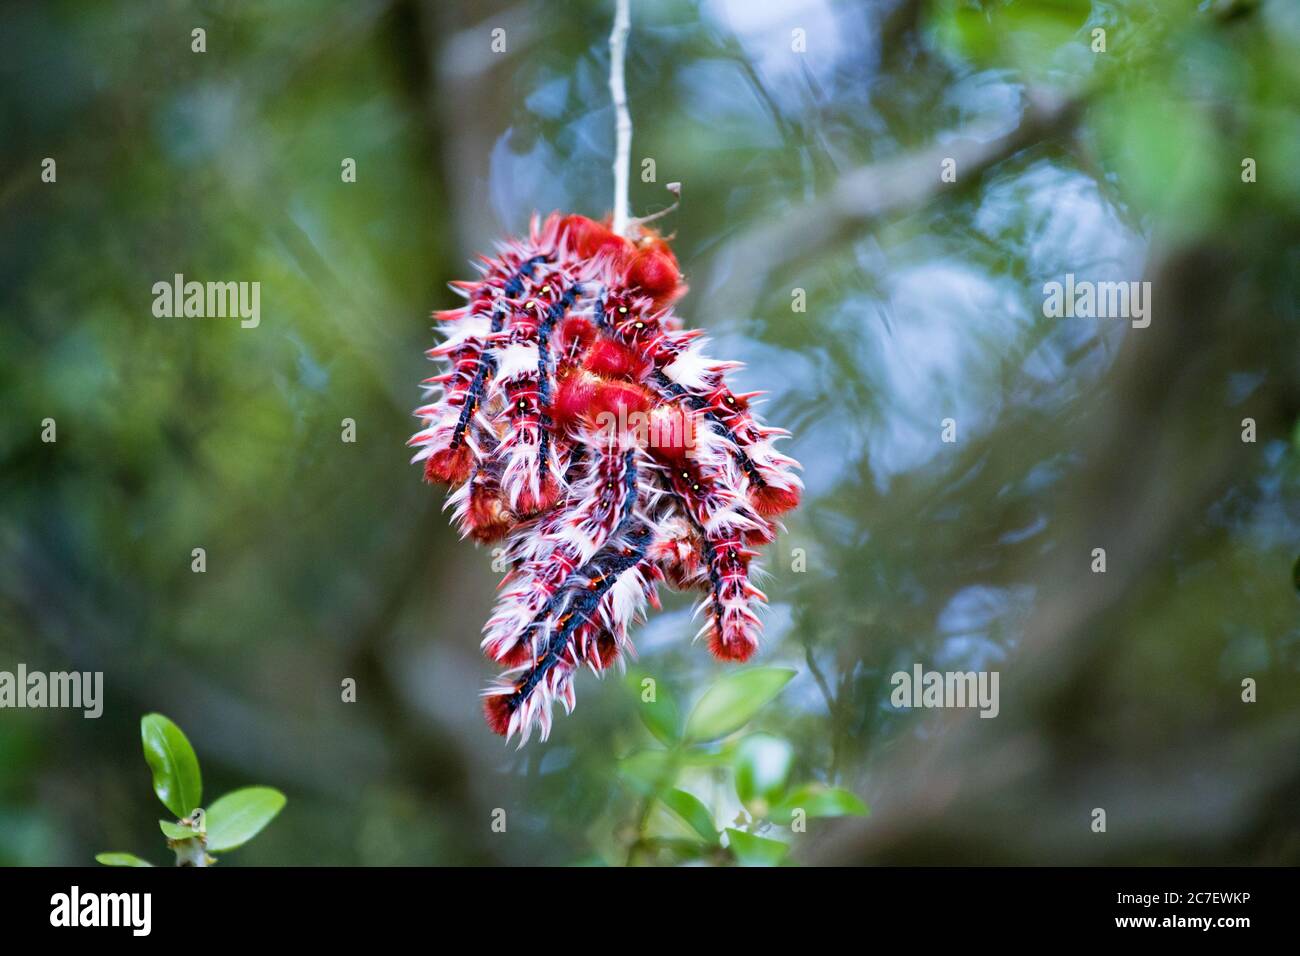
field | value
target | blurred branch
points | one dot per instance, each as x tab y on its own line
865	197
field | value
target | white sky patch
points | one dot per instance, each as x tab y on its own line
1074	228
549	99
949	329
977	622
523	181
664	630
764	31
1071	228
718	96
981	96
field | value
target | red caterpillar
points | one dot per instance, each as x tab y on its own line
581	423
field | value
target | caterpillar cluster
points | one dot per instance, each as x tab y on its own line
580	423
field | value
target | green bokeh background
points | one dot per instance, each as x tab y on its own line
328	560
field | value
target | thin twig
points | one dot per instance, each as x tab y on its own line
623	119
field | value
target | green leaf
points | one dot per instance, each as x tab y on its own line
648	771
175	769
762	768
733	701
680	850
706	757
1167	152
1027	34
120	859
818	801
175	831
696	814
753	850
660	716
239	816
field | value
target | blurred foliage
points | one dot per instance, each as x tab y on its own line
329	560
747	776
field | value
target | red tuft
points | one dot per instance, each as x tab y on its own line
450	466
672	433
738	651
515	657
654	269
590	238
573	398
680	575
497	710
575	329
606	650
607	357
487	519
769	500
728	403
548	493
620	399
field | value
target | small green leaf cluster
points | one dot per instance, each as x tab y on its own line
229	823
709	750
